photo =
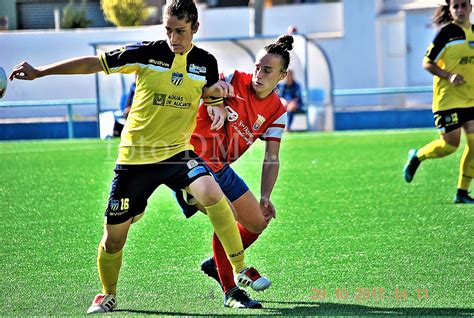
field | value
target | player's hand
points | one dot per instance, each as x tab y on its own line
218	116
268	209
456	79
24	71
221	89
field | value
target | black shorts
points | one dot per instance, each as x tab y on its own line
231	184
449	120
132	185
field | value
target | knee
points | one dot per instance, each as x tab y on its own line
257	227
212	196
112	246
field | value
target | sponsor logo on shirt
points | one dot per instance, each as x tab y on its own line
197	69
232	115
160	63
175	101
177	78
195	171
159	99
260	120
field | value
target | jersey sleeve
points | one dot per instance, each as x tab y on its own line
212	73
125	60
212	76
448	35
275	131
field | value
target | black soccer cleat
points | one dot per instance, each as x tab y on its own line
462	196
412	164
208	267
238	298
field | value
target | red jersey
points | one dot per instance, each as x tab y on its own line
248	118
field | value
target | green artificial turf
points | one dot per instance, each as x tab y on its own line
350	237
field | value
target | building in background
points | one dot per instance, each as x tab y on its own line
39	14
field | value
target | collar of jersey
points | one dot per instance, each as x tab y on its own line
186	53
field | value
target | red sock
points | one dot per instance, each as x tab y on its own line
247	237
226	274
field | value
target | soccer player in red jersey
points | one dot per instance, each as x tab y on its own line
254	111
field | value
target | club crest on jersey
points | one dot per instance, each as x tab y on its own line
192	163
471	44
177	78
260	120
114	204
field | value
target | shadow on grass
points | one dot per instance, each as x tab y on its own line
302	308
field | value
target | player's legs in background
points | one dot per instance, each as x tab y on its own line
447	144
466	172
291	109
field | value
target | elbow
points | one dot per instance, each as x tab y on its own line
427	66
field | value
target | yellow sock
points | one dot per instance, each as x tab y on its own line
223	221
467	164
436	149
109	268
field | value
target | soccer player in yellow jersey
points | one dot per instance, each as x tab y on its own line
172	76
450	58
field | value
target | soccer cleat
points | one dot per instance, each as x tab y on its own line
208	267
250	277
238	298
463	197
412	164
102	303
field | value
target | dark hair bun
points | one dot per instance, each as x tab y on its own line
286	42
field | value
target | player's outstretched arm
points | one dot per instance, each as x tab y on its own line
79	65
270	168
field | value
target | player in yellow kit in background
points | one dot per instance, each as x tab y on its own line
172	76
450	58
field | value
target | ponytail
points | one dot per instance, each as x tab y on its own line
282	47
441	15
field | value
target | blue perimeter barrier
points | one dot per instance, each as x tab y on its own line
347	120
50	130
385	118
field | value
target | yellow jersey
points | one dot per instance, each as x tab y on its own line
453	50
164	109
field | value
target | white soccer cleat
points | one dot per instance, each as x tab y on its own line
251	277
102	303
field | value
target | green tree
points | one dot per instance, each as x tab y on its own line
124	12
74	17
